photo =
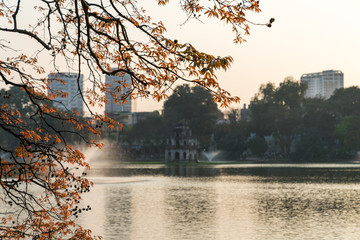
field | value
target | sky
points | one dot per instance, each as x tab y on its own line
307	36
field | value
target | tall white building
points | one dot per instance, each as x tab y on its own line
113	107
323	84
67	83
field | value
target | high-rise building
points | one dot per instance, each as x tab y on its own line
112	106
67	83
323	84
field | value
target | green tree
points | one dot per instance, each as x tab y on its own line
316	140
263	110
233	115
345	102
288	98
231	138
257	145
148	131
344	105
149	135
348	131
278	111
195	106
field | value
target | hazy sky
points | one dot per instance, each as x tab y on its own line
307	36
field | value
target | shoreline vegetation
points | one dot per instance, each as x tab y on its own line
280	125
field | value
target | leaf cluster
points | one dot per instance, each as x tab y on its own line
113	38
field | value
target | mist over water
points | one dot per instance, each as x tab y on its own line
249	202
99	157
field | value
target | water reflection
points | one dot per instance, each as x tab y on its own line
316	211
235	202
288	171
190	208
111	211
118	201
190	171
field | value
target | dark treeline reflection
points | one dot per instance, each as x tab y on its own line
244	202
289	173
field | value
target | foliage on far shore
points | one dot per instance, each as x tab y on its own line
283	124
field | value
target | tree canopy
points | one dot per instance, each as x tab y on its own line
278	111
345	101
348	132
193	106
147	131
311	129
232	137
97	37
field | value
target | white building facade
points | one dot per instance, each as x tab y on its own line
322	84
112	106
70	83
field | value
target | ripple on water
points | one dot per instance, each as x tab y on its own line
243	204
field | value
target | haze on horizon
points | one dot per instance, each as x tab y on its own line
306	37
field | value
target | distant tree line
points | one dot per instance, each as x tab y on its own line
300	129
193	106
283	123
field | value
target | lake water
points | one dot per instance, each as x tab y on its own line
249	202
